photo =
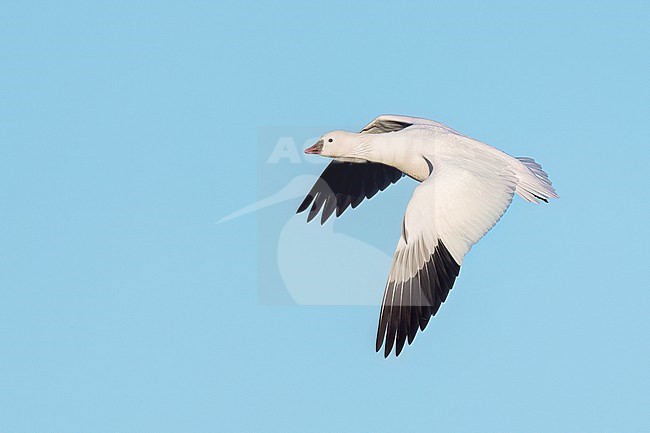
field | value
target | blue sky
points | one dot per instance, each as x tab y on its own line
128	129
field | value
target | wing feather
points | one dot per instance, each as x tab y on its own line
448	213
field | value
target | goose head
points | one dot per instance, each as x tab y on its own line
336	144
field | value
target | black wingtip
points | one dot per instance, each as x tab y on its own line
400	321
346	184
305	204
315	208
390	339
328	209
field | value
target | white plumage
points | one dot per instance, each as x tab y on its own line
466	186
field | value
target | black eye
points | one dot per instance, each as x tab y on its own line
330	140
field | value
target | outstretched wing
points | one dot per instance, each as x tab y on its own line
391	123
387	123
345	184
448	213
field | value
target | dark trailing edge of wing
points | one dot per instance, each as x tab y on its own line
345	184
409	305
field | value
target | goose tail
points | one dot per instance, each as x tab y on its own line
534	184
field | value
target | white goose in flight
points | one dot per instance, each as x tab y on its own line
466	186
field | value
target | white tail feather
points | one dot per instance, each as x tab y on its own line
533	184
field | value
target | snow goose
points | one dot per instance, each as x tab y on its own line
466	186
